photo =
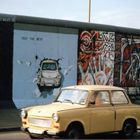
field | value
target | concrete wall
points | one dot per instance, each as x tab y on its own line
88	53
31	45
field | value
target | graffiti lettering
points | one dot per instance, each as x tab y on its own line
32	38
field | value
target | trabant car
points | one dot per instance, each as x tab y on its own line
82	110
49	74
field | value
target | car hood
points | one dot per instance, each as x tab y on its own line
48	110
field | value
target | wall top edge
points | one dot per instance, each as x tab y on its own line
67	24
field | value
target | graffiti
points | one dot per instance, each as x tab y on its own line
130	62
32	38
96	57
133	93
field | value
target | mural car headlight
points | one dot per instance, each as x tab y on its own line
23	113
59	75
58	78
55	117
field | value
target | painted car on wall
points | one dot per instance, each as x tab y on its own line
82	110
49	74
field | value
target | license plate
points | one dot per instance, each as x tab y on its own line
35	131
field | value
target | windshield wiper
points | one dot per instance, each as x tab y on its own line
58	101
68	100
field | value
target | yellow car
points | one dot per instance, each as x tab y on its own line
82	110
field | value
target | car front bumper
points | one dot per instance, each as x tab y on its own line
49	82
42	132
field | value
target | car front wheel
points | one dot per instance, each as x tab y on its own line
128	129
74	133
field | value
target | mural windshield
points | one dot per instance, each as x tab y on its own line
49	66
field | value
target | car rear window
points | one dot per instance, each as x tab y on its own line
118	97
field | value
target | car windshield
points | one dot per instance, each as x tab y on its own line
73	96
49	66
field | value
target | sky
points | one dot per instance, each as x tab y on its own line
124	13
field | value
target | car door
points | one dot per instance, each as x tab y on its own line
121	105
102	113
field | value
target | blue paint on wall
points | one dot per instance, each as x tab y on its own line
30	47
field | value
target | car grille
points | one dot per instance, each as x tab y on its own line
40	122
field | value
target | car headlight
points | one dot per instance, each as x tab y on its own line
55	117
23	113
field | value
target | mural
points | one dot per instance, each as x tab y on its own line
96	57
127	61
43	62
109	59
133	93
49	74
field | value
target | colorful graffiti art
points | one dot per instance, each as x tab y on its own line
96	57
129	55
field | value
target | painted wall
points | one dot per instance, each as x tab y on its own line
85	57
96	57
127	63
109	58
31	46
127	60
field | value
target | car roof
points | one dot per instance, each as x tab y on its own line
94	87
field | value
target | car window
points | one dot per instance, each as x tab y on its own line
101	98
118	97
73	96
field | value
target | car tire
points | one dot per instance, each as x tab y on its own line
128	129
74	132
